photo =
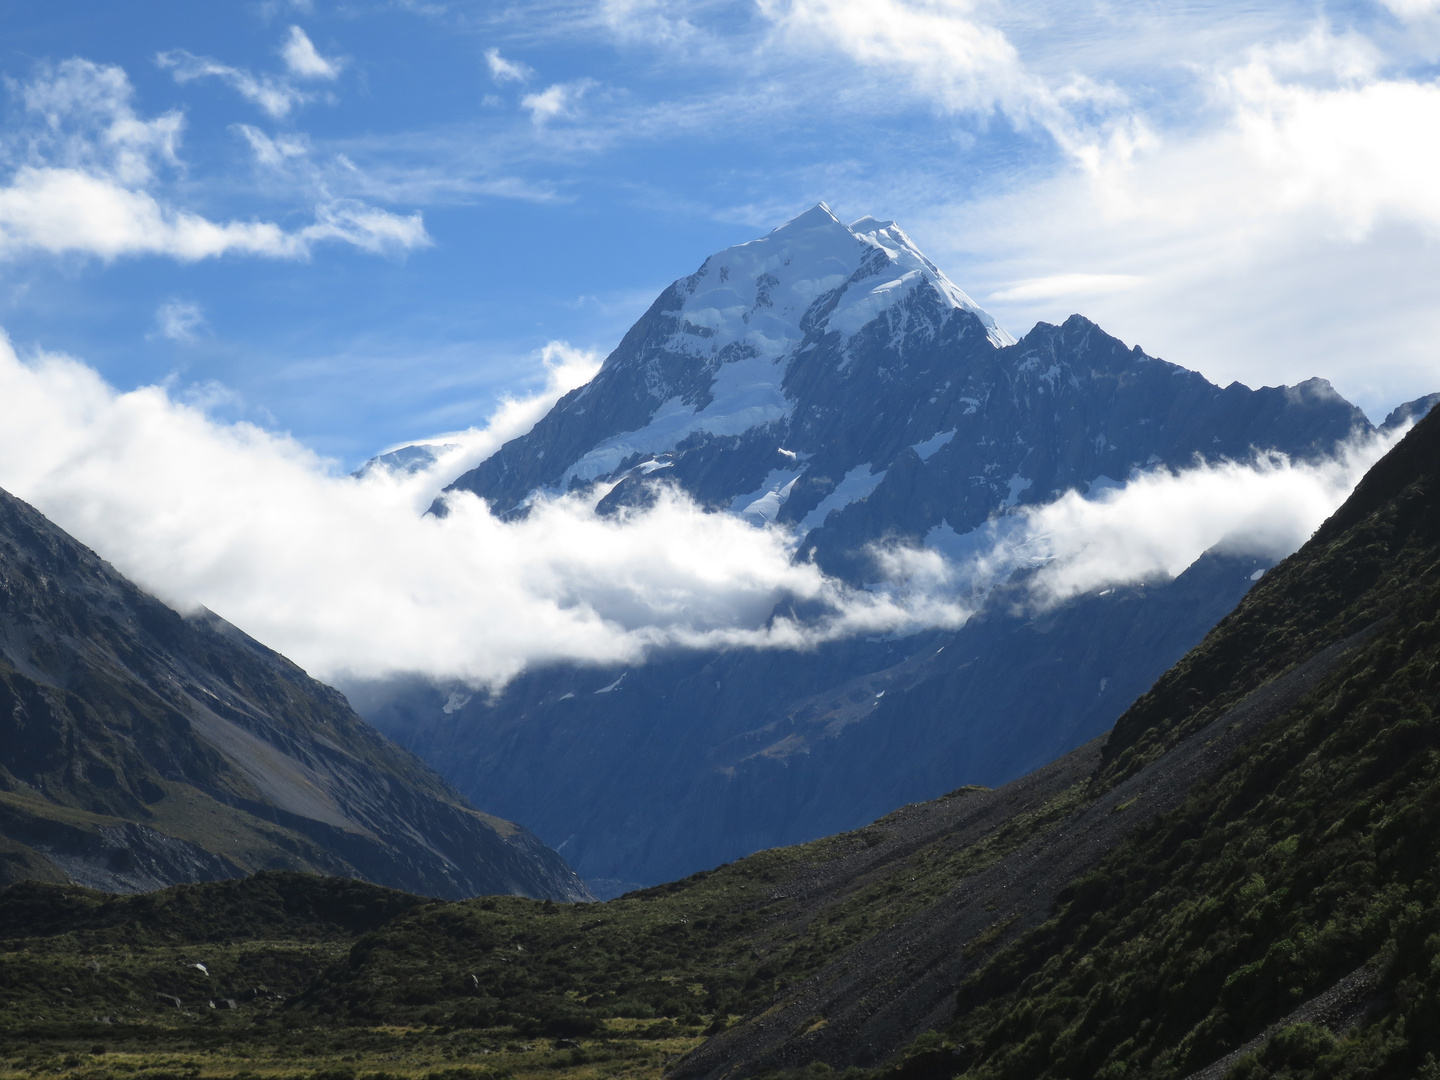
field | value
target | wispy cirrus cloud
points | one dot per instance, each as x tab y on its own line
275	95
273	151
180	321
558	101
507	71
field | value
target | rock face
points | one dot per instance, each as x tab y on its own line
141	748
830	378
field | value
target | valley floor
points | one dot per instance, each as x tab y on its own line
206	1050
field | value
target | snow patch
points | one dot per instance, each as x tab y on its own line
762	504
858	483
613	685
746	395
927	449
1018	486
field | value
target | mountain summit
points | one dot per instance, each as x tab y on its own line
714	355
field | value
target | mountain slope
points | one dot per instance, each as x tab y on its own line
139	747
1244	867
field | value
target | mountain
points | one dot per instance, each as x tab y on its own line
140	747
830	378
1238	881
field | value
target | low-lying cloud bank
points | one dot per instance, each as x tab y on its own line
348	578
1147	529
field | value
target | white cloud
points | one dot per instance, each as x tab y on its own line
366	227
936	45
61	211
566	368
1160	522
88	121
179	320
1066	286
1349	151
1412	10
90	169
503	71
946	53
559	101
275	95
1148	529
303	61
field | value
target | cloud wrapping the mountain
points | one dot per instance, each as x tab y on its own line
348	578
1159	522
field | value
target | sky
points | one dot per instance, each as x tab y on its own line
359	223
246	247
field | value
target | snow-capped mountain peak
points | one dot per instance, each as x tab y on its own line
759	299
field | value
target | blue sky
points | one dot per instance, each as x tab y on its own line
361	223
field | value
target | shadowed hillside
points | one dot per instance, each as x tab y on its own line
140	747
